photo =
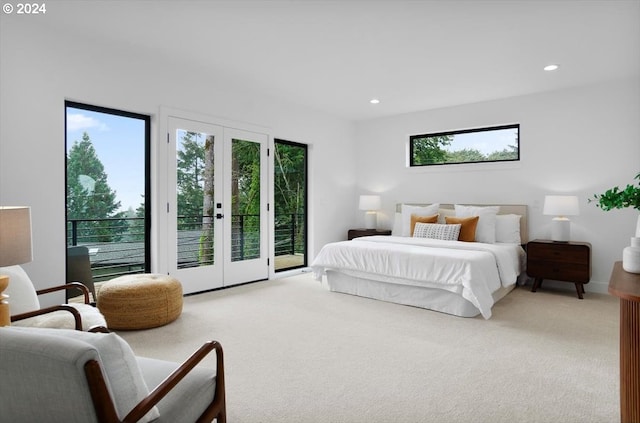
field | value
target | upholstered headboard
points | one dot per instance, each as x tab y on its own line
519	209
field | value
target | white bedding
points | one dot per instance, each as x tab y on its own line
471	269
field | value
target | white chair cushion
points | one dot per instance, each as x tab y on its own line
196	389
120	366
90	315
21	292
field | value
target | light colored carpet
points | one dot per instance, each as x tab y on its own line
295	352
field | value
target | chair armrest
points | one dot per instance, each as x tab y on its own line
64	307
70	285
216	407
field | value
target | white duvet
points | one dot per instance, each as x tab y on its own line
471	269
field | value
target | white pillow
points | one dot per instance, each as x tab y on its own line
120	367
444	213
508	228
486	229
22	294
408	210
437	231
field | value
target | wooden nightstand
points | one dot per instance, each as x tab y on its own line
355	233
560	261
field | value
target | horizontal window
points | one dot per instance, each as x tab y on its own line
494	144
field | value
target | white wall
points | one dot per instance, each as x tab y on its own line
578	141
40	69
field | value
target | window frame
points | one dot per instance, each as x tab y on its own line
306	202
411	159
147	163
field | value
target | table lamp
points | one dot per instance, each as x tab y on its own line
15	248
370	203
561	206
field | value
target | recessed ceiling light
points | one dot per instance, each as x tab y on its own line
374	101
549	68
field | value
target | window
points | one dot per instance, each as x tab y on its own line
108	189
290	186
494	144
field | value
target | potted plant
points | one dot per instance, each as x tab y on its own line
616	198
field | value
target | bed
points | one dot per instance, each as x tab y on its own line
435	272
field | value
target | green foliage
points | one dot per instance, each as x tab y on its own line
464	156
89	195
510	153
430	150
289	180
289	185
190	170
245	195
617	198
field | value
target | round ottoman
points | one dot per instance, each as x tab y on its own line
140	301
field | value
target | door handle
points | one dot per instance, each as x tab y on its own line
219	216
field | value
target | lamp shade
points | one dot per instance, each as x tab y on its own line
369	202
561	205
15	236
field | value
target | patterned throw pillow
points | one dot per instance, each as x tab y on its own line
437	231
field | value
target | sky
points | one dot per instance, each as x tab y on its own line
119	143
486	142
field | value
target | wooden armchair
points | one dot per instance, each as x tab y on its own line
25	306
107	382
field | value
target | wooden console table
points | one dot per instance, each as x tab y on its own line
626	286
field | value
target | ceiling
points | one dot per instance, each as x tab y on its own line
335	56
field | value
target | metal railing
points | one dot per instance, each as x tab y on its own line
289	233
116	245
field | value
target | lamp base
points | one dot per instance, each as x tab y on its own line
371	220
560	229
5	315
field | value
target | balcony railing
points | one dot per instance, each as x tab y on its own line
116	245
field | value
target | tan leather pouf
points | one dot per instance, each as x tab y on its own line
140	301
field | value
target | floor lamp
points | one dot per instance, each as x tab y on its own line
15	248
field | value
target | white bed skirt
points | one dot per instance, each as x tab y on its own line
428	298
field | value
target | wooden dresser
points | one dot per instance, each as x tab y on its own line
626	286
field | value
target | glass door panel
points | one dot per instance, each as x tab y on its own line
195	246
246	183
245	200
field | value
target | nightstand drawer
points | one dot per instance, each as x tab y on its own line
560	271
562	253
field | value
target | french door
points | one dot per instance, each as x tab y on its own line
217	205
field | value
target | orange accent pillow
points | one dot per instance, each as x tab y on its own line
468	228
421	219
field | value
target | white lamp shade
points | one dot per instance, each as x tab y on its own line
15	236
561	205
369	202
